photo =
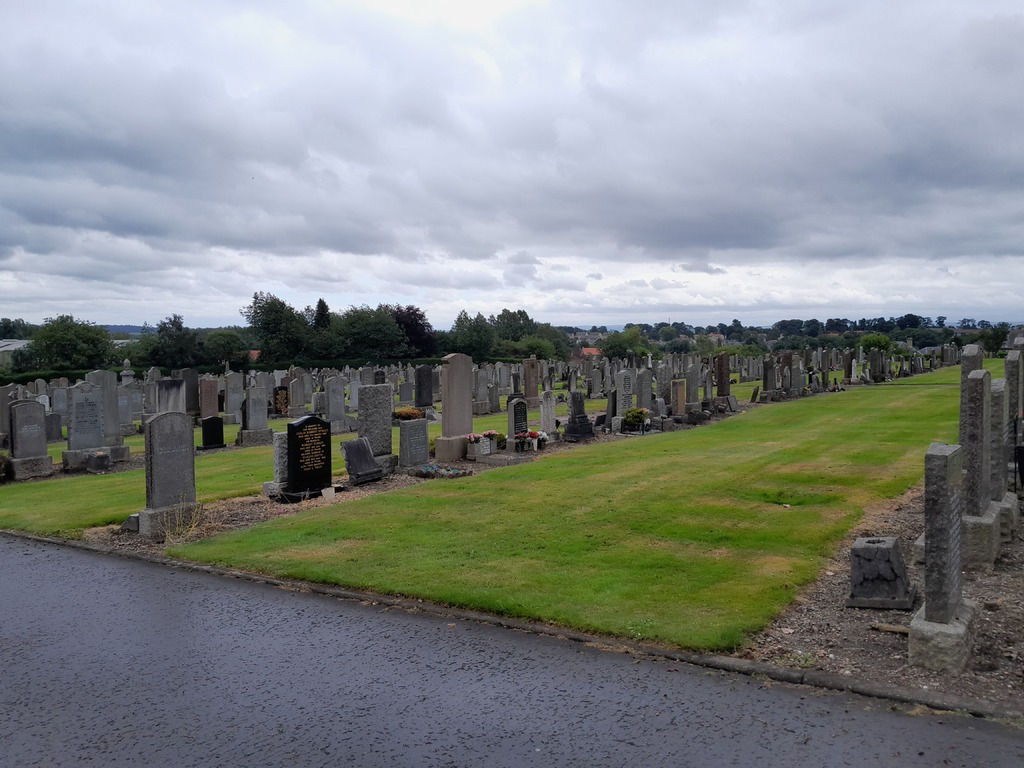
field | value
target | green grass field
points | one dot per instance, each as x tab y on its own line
694	538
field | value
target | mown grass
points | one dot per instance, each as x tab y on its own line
694	538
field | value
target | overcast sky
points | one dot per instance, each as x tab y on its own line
589	161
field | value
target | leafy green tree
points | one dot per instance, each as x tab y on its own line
282	333
620	344
174	345
372	334
63	343
876	341
513	325
225	345
472	336
993	338
667	333
16	329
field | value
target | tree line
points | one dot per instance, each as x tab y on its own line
284	335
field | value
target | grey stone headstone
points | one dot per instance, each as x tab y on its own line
85	417
943	502
457	396
170	461
359	462
375	409
413	443
28	430
975	423
424	386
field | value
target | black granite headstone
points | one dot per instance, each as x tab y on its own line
213	432
309	455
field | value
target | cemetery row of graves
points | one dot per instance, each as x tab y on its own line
970	511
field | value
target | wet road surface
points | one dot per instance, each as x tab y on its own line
112	662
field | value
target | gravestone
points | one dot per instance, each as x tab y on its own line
942	631
981	534
405	393
376	405
106	382
1001	455
255	427
722	374
334	389
170	396
296	399
170	476
645	389
413	443
309	457
28	441
424	387
579	427
548	423
85	417
624	388
234	391
970	361
518	419
213	432
209	389
531	381
359	462
456	407
54	428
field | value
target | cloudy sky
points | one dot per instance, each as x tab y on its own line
590	161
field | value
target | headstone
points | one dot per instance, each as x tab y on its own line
405	393
359	462
942	631
518	417
579	426
981	534
424	386
334	389
54	428
281	401
106	382
722	374
413	443
456	407
170	476
234	391
970	361
213	432
376	405
255	427
170	396
28	441
208	392
85	417
531	381
309	456
547	414
296	399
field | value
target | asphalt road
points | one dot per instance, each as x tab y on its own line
111	662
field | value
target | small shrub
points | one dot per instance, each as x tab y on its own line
635	418
407	414
502	441
6	469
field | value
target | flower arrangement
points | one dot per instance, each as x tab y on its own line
473	438
491	434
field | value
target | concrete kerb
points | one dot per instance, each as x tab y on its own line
814	678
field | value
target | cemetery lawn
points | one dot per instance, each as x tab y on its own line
695	538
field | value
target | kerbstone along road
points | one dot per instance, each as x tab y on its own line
112	662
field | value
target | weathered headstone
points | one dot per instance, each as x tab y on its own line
531	381
28	441
424	386
579	427
413	443
334	389
255	427
548	423
234	392
878	577
170	476
980	539
359	462
518	419
942	631
456	407
209	389
376	403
